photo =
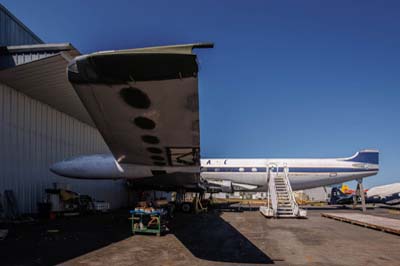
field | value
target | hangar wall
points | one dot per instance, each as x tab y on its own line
32	137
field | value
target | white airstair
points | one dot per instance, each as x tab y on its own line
281	201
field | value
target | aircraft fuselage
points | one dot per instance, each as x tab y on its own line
245	174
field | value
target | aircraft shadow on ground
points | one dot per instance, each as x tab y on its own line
53	242
209	237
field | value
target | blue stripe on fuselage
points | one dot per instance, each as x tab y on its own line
281	169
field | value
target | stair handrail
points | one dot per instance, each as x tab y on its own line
272	189
293	203
267	175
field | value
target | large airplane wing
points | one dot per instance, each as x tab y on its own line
144	102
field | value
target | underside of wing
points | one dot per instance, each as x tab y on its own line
170	182
144	102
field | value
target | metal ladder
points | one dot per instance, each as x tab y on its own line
281	201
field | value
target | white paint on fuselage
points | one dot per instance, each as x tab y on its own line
298	179
104	166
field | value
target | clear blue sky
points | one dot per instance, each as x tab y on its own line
286	78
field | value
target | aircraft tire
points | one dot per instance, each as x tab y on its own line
186	207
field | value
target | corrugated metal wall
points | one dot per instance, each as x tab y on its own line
10	60
32	137
13	32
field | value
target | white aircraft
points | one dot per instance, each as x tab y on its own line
384	190
229	174
386	194
144	102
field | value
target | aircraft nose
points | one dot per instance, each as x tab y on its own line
87	166
58	168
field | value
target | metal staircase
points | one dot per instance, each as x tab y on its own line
281	201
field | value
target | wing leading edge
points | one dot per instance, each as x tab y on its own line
144	102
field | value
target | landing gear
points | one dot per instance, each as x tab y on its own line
186	207
198	206
181	203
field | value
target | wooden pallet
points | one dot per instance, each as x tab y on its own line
375	222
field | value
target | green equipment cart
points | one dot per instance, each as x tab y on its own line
147	222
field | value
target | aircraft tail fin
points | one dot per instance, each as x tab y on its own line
365	156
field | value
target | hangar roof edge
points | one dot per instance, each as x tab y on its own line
56	47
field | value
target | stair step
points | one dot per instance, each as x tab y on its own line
284	199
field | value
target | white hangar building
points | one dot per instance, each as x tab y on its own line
42	120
